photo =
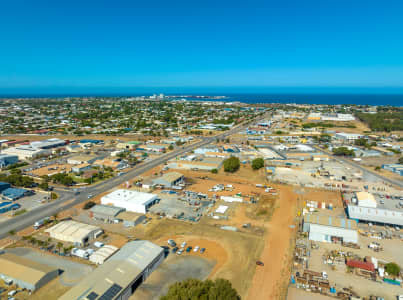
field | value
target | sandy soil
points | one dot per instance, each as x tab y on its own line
270	281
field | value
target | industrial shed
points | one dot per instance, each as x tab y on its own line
74	232
105	213
169	179
24	272
375	215
102	254
14	193
330	229
131	219
130	200
120	275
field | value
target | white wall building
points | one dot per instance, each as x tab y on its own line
348	136
327	229
365	199
130	200
27	152
74	232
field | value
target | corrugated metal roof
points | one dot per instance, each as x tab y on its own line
330	221
106	210
24	269
121	269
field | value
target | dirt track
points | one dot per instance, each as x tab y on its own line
269	282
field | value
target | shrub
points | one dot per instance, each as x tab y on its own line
214	171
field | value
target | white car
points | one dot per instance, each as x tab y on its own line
196	249
183	245
179	252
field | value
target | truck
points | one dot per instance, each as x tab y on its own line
40	223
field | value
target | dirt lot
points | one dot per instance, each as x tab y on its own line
45	170
184	267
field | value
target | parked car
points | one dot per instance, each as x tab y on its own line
174	249
202	250
260	263
196	249
179	252
171	243
188	249
183	245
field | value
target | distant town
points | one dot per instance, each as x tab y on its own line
125	197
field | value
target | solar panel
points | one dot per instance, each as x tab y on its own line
111	292
92	296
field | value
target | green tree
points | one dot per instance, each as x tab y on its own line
401	160
231	164
257	163
392	269
194	289
214	171
343	151
170	147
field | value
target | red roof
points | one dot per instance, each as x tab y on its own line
361	265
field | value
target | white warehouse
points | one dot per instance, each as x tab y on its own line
130	200
330	229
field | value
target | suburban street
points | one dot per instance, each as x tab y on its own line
67	198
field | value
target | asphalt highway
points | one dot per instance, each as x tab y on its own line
68	199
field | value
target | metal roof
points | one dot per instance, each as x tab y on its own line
23	269
106	210
72	229
330	221
116	273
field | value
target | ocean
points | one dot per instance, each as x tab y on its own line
250	98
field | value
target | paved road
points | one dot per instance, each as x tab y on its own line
364	170
68	200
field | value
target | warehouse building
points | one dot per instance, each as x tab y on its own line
375	215
330	229
13	194
131	219
120	275
4	185
7	159
24	272
130	200
74	232
81	159
25	152
48	144
105	213
206	164
102	254
170	179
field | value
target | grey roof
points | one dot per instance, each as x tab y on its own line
106	210
117	272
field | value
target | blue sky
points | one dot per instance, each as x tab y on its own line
62	45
